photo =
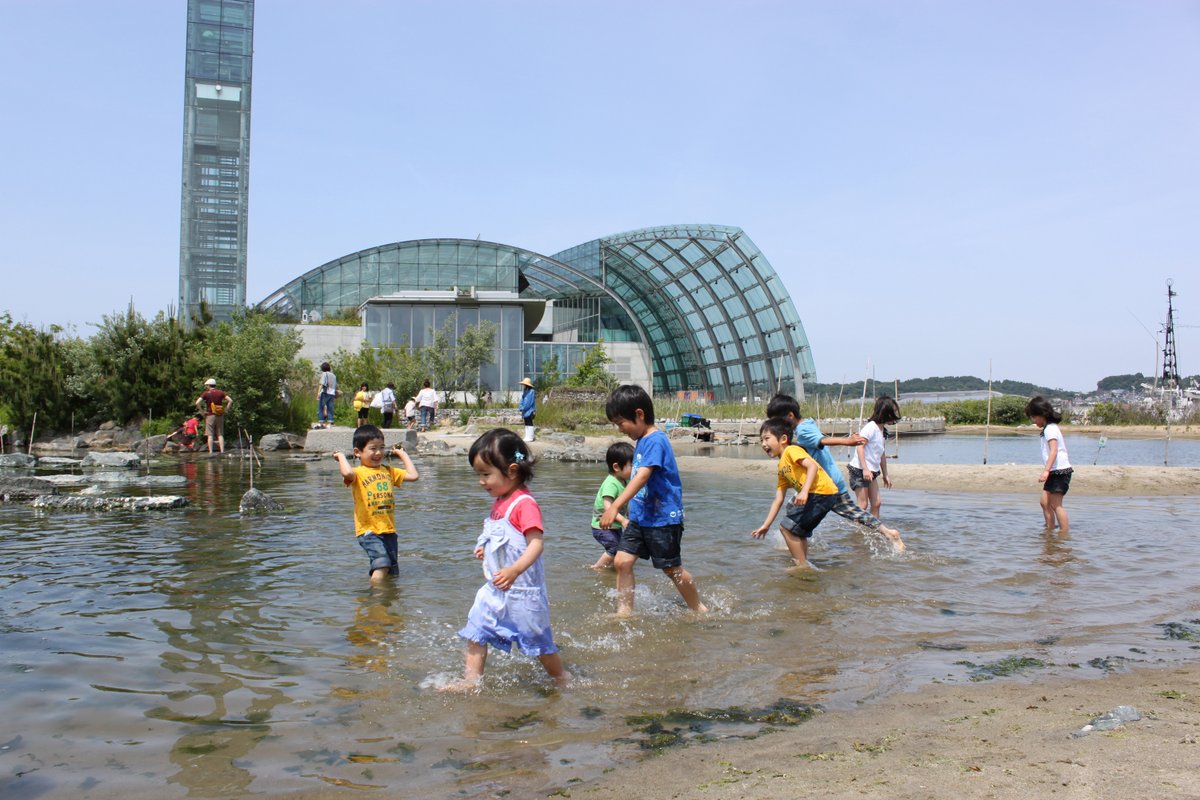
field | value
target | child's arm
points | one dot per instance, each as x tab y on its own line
503	578
344	465
887	482
852	440
410	470
810	477
621	518
758	532
861	450
1051	457
639	479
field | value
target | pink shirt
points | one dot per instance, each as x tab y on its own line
525	517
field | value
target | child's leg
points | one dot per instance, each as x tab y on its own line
687	588
379	575
604	562
476	661
1047	510
846	507
874	499
797	547
1057	512
861	495
553	665
623	563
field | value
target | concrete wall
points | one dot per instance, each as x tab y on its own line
631	363
322	341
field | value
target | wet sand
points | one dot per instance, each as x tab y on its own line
998	739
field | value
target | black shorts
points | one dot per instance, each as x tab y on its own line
609	539
659	544
364	412
800	521
856	479
1058	482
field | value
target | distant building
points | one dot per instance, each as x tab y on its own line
685	308
216	156
947	397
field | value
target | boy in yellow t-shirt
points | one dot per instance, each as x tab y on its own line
816	493
373	486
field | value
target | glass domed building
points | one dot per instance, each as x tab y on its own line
679	309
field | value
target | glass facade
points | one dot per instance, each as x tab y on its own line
704	302
216	150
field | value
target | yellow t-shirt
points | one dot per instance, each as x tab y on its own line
374	498
793	475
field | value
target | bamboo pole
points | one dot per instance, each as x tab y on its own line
987	428
896	397
32	429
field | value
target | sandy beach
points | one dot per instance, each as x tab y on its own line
998	739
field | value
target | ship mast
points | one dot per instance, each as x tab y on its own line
1170	371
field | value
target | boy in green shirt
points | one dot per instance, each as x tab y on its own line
619	459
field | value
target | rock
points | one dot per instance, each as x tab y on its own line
565	438
129	479
433	446
471	430
127	460
573	454
110	426
92	490
14	489
305	457
17	460
281	441
257	502
64	479
80	503
58	461
152	444
1110	720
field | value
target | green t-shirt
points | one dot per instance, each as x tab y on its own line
612	487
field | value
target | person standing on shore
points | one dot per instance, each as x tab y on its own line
387	404
326	394
427	403
1056	470
528	407
214	403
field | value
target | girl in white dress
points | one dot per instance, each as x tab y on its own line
868	465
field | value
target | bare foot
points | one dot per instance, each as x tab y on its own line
461	686
562	681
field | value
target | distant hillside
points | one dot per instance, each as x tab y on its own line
949	383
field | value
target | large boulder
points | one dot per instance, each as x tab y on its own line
125	460
17	460
75	502
281	441
58	461
13	489
65	479
257	502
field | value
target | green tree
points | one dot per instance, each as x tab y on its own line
454	364
254	361
145	368
32	376
551	376
591	373
377	366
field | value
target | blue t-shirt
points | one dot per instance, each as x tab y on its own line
660	501
809	436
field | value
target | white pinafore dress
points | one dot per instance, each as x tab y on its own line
520	615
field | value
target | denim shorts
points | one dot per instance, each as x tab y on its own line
608	538
659	544
1058	482
801	520
382	550
857	481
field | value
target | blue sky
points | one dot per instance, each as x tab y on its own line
938	183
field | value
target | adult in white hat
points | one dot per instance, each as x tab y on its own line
214	403
528	407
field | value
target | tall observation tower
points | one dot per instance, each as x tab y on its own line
216	157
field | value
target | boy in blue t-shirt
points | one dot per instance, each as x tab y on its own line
655	497
809	436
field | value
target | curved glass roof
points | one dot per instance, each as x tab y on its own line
715	313
707	304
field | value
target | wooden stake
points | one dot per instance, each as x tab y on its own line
32	428
987	428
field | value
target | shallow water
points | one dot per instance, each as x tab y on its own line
199	654
952	448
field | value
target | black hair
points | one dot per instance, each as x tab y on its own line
779	427
364	385
619	453
427	383
1040	407
391	385
625	401
325	367
501	448
781	405
887	411
365	434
